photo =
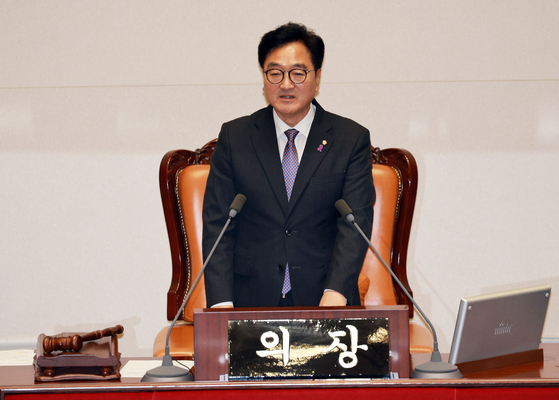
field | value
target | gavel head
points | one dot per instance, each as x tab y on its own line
74	343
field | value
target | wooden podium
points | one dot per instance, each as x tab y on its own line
213	342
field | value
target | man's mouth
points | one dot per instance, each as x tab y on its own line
287	97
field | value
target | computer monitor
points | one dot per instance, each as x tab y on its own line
500	323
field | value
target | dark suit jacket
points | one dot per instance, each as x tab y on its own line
322	248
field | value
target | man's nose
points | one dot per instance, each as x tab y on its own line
286	83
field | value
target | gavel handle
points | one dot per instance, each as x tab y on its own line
100	334
75	342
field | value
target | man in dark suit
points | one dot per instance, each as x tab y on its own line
292	160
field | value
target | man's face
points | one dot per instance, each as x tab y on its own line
291	101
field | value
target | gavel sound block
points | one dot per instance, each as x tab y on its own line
79	356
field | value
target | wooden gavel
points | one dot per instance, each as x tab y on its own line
75	342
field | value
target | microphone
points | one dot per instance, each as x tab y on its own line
237	205
167	372
435	368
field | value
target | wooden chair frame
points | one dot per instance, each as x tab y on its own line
404	191
174	161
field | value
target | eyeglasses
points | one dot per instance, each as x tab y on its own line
297	76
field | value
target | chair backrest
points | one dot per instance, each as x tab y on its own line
182	178
395	177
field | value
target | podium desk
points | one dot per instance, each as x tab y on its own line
528	381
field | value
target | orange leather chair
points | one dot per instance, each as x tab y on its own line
182	179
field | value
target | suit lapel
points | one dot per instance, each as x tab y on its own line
321	132
265	142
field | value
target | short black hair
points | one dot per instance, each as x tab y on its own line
289	33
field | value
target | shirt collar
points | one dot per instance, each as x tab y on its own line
304	126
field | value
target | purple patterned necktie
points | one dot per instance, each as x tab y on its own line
290	164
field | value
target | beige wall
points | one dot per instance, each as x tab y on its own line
93	93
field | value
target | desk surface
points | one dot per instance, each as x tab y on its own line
20	380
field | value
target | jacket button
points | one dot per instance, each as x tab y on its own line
280	268
288	232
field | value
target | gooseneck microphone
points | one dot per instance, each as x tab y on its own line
435	368
235	208
167	372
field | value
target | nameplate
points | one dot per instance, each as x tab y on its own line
308	348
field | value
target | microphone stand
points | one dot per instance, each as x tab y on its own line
436	368
167	372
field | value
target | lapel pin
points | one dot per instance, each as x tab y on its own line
324	143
